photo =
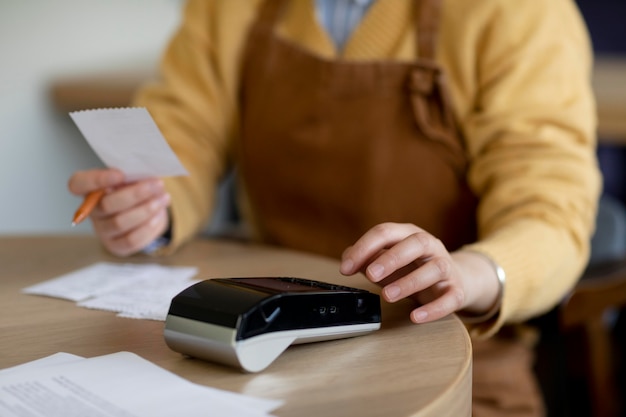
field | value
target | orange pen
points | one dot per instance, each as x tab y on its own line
89	203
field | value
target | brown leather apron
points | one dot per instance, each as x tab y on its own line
331	148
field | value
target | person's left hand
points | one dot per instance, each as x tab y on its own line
407	261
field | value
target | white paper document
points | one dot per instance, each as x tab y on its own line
129	140
121	384
142	291
56	359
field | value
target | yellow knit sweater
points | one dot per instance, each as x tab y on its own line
519	75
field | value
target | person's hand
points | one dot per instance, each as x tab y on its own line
406	261
130	215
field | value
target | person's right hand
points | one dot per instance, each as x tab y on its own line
130	215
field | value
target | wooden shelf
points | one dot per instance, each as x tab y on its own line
117	90
609	84
97	91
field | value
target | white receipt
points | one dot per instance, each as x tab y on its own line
121	384
129	140
142	291
149	299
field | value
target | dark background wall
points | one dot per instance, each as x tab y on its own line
606	20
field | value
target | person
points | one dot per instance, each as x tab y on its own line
444	149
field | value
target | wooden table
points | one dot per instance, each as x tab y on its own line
401	370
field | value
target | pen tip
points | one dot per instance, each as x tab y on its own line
73	224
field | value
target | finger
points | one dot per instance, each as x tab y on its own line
417	246
123	222
129	196
83	182
140	237
449	302
434	271
348	265
376	239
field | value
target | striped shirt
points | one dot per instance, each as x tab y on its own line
340	17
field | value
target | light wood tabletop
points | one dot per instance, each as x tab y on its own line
402	369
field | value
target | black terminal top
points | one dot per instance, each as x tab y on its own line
260	305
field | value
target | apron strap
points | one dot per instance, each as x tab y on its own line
269	12
432	108
427	17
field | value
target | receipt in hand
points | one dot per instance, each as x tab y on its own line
129	140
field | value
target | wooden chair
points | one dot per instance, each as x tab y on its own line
582	321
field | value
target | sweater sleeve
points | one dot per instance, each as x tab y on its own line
531	138
193	103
